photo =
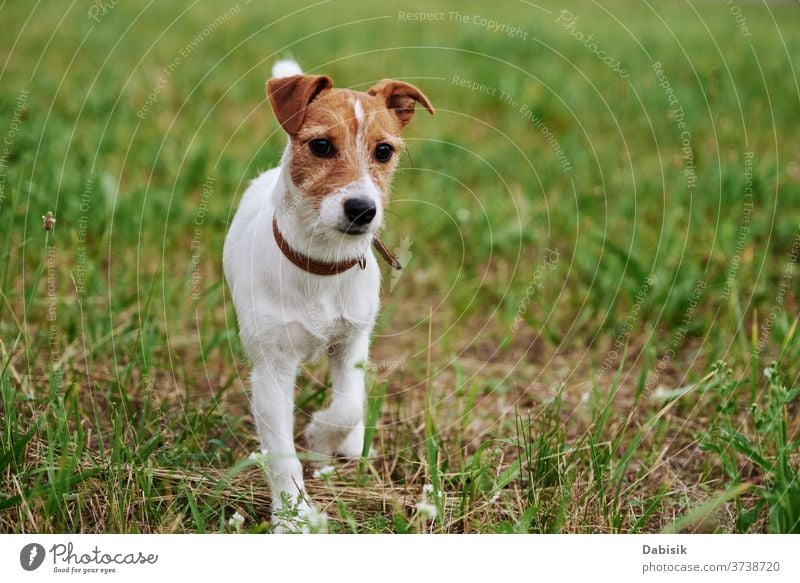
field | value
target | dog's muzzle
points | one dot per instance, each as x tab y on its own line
359	213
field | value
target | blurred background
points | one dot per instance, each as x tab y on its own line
596	327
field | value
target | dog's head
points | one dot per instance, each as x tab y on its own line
344	147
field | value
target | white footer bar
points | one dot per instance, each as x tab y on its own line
401	558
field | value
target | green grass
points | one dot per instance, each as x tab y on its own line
596	346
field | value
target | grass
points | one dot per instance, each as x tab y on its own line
596	330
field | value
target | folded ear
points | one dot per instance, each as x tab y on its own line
401	98
289	97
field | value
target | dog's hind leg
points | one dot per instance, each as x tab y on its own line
273	410
339	429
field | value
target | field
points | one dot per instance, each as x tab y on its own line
596	329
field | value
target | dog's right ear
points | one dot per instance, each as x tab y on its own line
400	98
289	97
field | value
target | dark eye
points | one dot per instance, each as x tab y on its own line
321	147
383	152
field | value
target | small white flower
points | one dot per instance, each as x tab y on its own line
496	496
317	521
324	472
48	221
258	456
427	490
463	215
236	521
426	509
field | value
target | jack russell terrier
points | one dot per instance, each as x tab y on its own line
299	264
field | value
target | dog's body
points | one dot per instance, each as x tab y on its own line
319	212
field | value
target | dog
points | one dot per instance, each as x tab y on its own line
299	262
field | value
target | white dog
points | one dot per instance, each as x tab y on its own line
298	259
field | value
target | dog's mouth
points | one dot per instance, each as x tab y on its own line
353	229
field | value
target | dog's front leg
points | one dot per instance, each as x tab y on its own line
273	410
339	429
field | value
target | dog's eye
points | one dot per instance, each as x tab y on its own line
383	152
321	147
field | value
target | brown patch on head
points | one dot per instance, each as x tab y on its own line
354	123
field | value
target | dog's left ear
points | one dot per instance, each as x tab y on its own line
289	97
401	98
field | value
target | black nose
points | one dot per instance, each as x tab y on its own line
360	211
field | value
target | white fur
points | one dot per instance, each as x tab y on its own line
286	68
358	110
288	316
361	140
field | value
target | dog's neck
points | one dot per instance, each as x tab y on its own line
300	230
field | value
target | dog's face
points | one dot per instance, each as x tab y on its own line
344	147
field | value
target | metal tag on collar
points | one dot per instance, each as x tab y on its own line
362	262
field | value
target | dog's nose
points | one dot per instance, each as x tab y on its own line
360	211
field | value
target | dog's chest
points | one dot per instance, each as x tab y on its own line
324	319
326	323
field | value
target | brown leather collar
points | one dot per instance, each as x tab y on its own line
316	267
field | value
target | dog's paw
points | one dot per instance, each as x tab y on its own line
304	518
356	454
321	440
352	447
